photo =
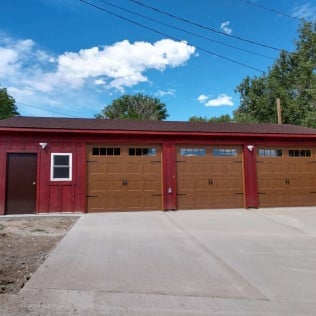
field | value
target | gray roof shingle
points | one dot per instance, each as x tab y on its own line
78	124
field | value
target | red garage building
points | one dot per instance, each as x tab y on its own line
90	165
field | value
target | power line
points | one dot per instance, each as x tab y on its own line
256	4
172	37
203	26
39	108
185	31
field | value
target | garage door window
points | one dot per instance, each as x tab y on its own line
269	152
300	153
224	152
135	151
106	151
61	167
192	152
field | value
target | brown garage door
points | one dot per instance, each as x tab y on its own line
286	176
124	178
209	177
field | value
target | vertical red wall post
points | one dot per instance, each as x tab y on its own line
250	177
169	176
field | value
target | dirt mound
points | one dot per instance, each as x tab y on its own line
24	245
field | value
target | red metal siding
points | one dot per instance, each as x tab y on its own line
250	178
62	196
169	176
52	196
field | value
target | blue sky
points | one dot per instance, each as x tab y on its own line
68	58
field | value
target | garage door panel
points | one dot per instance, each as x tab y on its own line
185	183
266	183
201	184
143	185
97	181
114	202
228	183
113	185
111	167
312	197
222	168
266	200
144	202
95	203
151	185
184	168
134	168
269	167
228	200
151	168
192	201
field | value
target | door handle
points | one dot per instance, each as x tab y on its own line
34	183
210	181
125	183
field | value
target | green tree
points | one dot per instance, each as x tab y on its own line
135	107
213	119
292	78
7	105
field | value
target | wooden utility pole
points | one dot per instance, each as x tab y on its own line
278	103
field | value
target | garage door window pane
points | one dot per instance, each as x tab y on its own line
142	151
192	152
95	151
300	153
61	167
268	152
149	151
224	152
106	151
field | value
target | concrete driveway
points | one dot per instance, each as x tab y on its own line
218	262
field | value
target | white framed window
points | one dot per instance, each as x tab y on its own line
61	167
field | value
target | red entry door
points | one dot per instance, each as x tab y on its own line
21	183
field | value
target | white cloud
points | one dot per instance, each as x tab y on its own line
99	82
305	11
123	63
120	65
221	100
202	98
162	93
8	61
225	28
